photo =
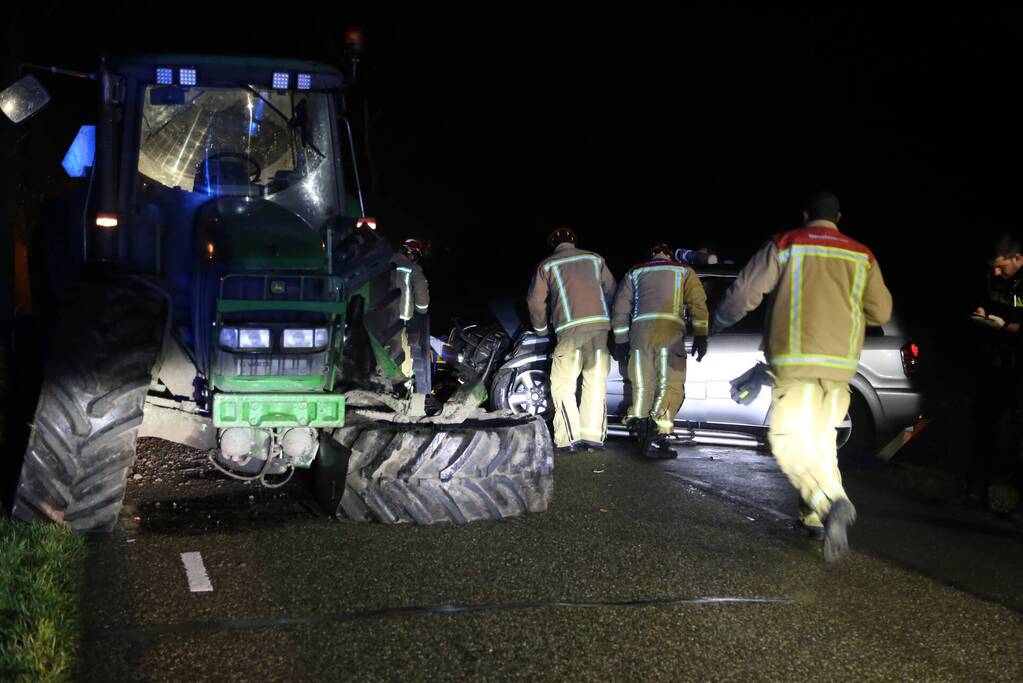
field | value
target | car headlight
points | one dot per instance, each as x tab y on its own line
304	338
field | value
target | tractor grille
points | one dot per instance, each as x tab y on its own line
270	365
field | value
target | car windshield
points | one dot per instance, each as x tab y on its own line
240	142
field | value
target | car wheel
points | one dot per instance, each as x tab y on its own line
525	392
856	431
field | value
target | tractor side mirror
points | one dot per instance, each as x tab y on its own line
23	99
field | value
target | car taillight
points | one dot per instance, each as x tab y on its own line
910	358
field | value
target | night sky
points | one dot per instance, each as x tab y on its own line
699	126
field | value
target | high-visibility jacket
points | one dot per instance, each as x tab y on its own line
1005	297
572	288
415	292
655	293
825	288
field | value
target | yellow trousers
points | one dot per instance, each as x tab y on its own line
580	352
658	377
407	364
804	416
657	370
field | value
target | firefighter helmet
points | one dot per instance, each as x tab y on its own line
413	249
561	234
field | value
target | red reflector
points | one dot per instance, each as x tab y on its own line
910	357
106	220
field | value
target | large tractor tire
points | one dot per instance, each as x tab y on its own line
87	420
487	468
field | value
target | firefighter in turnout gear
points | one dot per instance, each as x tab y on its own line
569	296
415	292
824	288
648	316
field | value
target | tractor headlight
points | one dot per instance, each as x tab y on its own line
253	338
304	338
229	337
244	338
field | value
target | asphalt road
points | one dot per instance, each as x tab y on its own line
641	570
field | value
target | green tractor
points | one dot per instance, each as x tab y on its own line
218	286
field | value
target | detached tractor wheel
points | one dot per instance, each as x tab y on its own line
487	468
90	408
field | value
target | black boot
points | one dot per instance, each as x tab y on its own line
660	448
836	525
645	434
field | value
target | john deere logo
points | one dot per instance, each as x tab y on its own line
277	287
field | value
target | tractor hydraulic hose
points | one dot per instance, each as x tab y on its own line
260	476
240	477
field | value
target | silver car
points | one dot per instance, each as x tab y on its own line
884	399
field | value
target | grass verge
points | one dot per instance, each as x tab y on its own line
40	577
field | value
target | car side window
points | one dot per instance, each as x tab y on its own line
715	286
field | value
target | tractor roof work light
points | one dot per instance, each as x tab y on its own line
106	220
187	77
354	42
304	81
281	80
164	75
366	222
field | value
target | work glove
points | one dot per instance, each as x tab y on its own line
699	347
621	352
746	387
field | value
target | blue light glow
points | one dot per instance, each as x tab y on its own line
186	76
82	152
257	115
281	80
164	75
304	81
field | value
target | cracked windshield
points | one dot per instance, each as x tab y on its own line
240	142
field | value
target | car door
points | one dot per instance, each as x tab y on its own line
729	355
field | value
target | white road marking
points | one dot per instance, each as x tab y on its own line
198	579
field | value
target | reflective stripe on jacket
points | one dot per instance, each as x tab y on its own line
572	287
657	292
415	292
825	289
